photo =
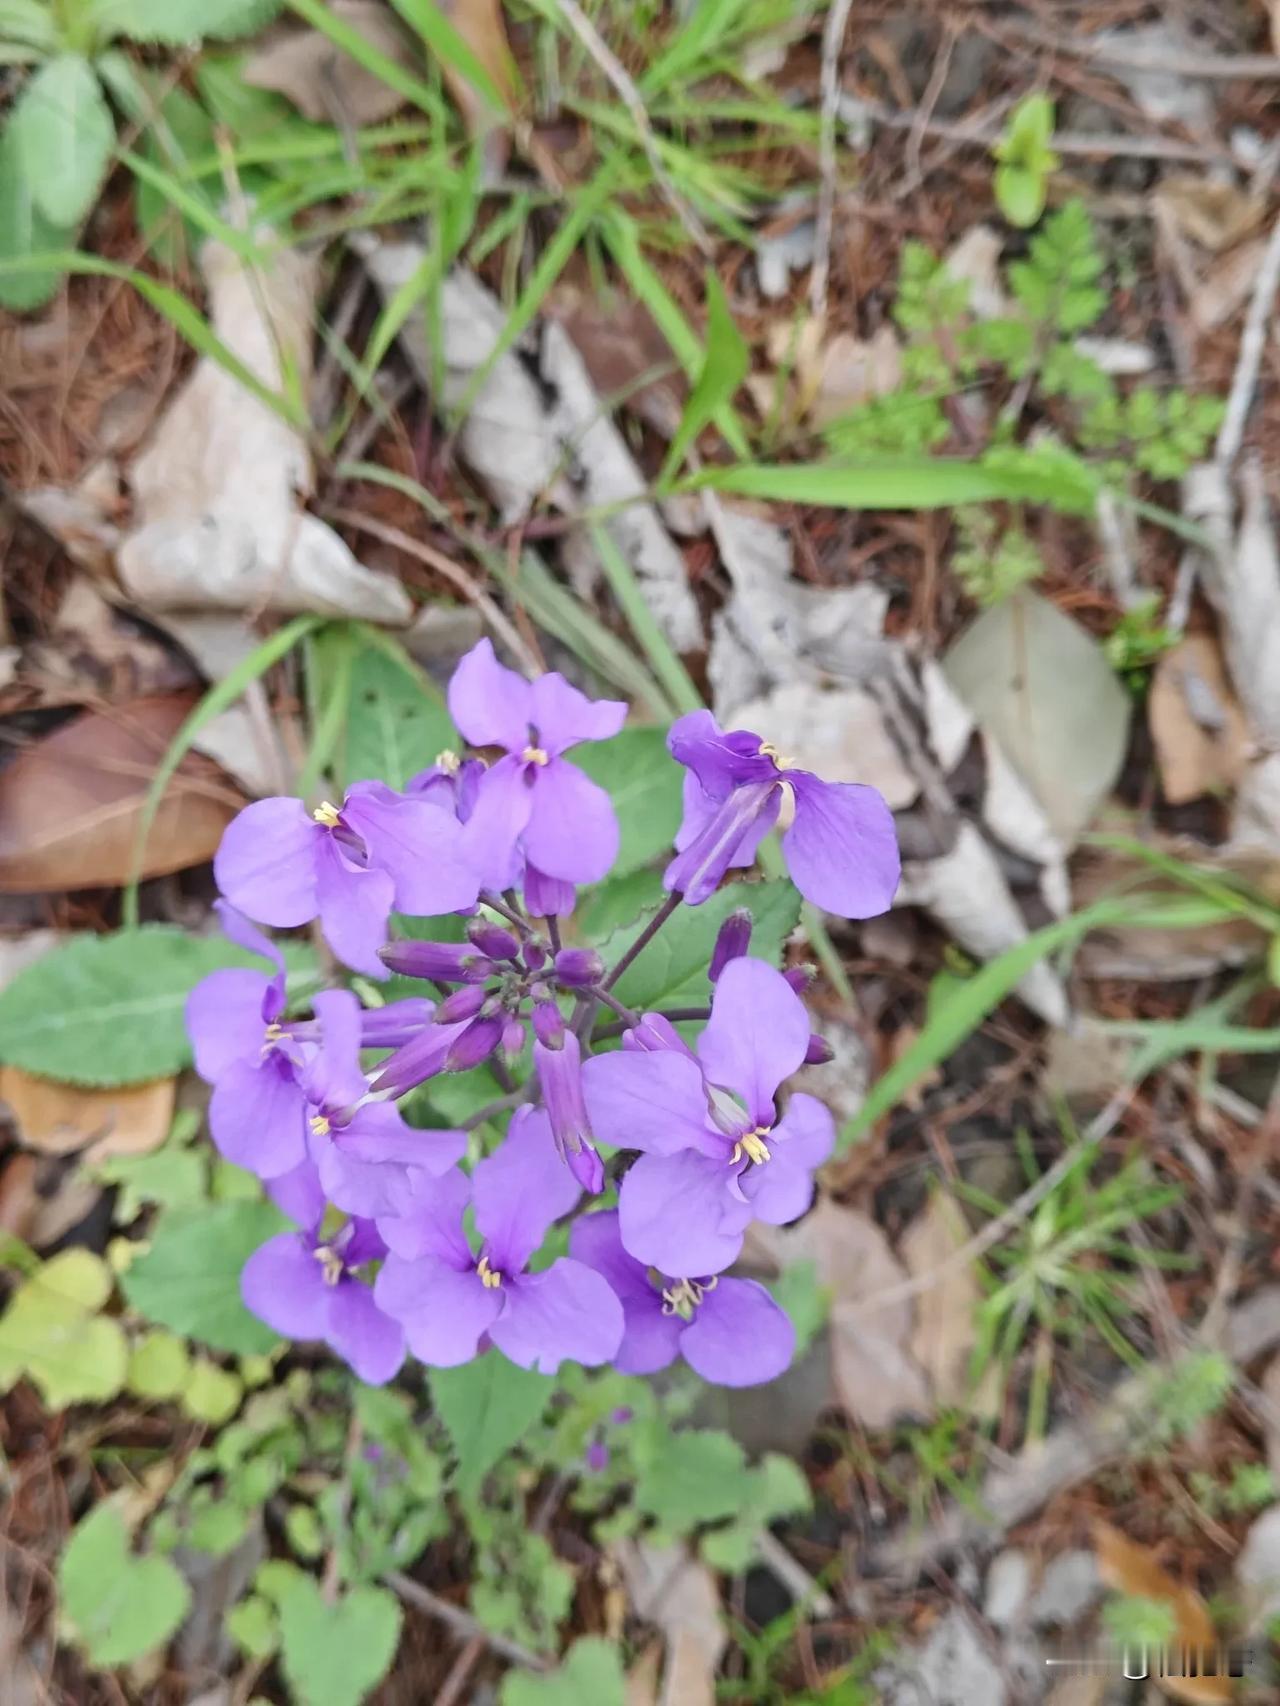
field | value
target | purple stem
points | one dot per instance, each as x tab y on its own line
643	940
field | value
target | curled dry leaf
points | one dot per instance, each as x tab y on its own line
61	1119
672	1590
537	430
1198	728
945	1331
83	518
1213	213
322	79
1134	1570
217	491
71	804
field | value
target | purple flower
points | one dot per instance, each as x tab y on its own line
729	1331
841	848
233	1014
448	1298
559	1068
561	821
305	1286
365	1153
347	865
396	1023
715	1154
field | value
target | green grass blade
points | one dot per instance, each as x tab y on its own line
919	483
724	367
663	658
371	58
452	50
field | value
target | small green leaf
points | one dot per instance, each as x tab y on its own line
63	131
108	1010
1020	194
395	729
117	1606
334	1655
217	1527
638	774
252	1626
487	1405
303	1531
52	1333
24	230
696	1477
724	367
213	1394
159	1366
591	1675
189	1280
177	23
672	970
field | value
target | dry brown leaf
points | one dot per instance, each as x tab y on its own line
1135	1570
483	27
944	1331
42	1197
70	805
1226	286
1200	733
321	79
642	1678
1212	213
828	375
62	1119
678	1595
620	342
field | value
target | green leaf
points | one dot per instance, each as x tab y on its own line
640	777
159	1366
694	1477
487	1406
1020	194
616	901
177	22
252	1626
117	1606
213	1394
926	482
24	230
591	1675
334	1655
217	1526
395	727
672	970
29	22
189	1279
51	1332
108	1010
724	367
63	132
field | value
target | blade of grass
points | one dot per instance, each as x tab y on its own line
219	697
365	54
663	658
330	657
452	50
724	367
919	483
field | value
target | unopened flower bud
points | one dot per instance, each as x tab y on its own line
462	1004
513	1039
396	1023
446	962
474	1045
819	1051
732	942
535	955
800	977
548	1024
493	940
577	967
547	897
597	1456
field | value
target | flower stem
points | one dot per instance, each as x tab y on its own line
675	1014
643	940
624	1013
519	922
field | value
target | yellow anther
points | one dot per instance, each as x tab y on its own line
326	814
767	749
319	1124
331	1262
449	762
535	755
753	1146
489	1279
684	1298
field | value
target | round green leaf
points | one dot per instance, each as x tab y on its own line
115	1605
63	130
213	1395
334	1655
189	1280
159	1366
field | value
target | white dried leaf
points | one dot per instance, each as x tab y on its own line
323	80
975	258
1162	95
216	493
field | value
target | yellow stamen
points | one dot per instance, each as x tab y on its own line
768	750
488	1278
753	1146
535	755
449	762
331	1262
326	814
320	1125
684	1298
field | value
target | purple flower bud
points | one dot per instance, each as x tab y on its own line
623	1413
513	1034
800	978
396	1023
819	1051
416	1061
560	1079
462	1004
548	1024
493	940
655	1035
597	1456
535	955
578	966
732	941
474	1045
447	962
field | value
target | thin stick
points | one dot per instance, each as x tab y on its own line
794	1577
461	1622
1253	341
832	42
629	95
1264	67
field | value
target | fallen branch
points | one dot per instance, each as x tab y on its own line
461	1622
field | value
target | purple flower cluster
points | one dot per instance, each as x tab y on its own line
409	1240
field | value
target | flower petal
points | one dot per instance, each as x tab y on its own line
419	844
429	1222
504	799
257	1117
562	716
721	761
650	1339
738	1336
237	928
491	705
354	907
520	1190
756	1036
842	848
680	1214
367	1340
781	1189
298	1194
728	840
443	1312
649	1100
265	864
283	1285
565	1313
572	832
333	1078
224	1019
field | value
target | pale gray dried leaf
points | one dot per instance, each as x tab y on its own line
219	525
975	258
779	256
1258	1569
669	1588
1117	356
945	1329
1042	687
1246	590
950	1667
1007	1586
323	80
537	429
1162	95
248	748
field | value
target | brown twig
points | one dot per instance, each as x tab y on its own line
460	1621
832	41
1263	67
